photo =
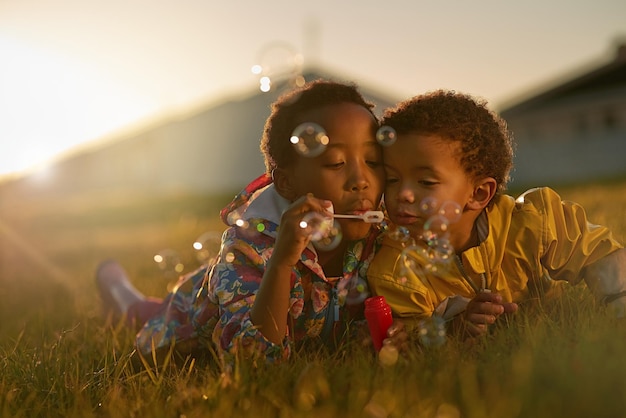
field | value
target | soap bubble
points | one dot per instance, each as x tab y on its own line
428	205
442	250
432	332
316	225
309	139
388	355
423	261
435	242
169	262
436	225
400	234
451	211
426	257
207	246
229	257
235	219
408	263
331	240
325	232
265	84
249	227
386	135
420	260
353	291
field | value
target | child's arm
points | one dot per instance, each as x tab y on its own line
607	279
572	248
269	312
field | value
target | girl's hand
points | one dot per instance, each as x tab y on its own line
292	239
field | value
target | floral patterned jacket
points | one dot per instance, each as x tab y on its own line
210	308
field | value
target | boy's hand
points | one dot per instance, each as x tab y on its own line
395	345
397	336
483	311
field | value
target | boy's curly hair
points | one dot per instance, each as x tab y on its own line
486	143
287	113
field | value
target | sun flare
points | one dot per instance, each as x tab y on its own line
50	103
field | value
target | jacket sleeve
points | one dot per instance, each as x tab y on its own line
233	284
571	244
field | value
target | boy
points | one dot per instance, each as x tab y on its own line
451	148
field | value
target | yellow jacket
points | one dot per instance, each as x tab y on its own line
527	245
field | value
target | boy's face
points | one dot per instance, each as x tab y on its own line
424	166
349	172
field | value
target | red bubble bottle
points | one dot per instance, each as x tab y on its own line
379	319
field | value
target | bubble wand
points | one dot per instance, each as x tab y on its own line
370	217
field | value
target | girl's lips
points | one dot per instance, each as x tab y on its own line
358	212
358	209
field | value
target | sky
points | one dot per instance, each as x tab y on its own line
74	73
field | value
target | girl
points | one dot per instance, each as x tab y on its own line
270	286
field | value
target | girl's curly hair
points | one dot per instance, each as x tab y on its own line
287	112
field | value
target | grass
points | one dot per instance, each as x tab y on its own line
59	358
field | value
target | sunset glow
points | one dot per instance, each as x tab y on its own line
75	72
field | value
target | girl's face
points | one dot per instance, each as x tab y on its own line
425	168
349	172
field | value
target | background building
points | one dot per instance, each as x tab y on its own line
211	150
574	131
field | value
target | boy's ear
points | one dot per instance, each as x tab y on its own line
283	184
484	191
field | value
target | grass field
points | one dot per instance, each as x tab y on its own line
58	358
